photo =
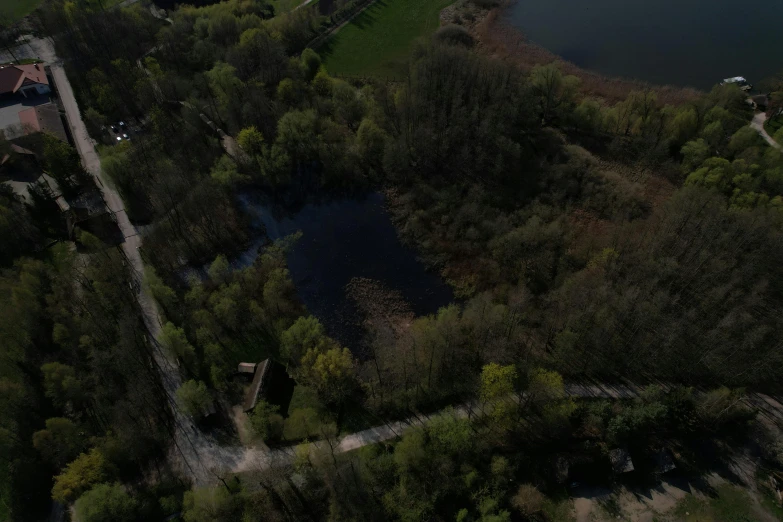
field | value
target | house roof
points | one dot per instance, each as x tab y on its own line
43	118
14	77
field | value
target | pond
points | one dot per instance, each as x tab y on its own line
693	43
343	239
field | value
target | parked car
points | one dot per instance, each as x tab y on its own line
125	136
122	124
114	129
119	138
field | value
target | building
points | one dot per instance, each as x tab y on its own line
251	396
621	461
270	381
247	367
25	79
43	118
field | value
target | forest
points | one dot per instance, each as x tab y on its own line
588	242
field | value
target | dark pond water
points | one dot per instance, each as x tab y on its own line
680	42
343	239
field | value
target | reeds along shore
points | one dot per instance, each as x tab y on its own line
499	38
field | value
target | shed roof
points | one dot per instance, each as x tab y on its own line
251	397
43	118
621	460
247	367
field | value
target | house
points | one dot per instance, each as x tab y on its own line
25	79
43	118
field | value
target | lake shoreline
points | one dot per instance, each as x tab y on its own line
349	265
498	37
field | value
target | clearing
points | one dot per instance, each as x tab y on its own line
377	41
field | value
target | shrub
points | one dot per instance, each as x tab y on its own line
454	35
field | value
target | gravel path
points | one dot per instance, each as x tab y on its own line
758	125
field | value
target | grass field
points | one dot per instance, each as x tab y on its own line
377	41
773	124
731	504
285	6
13	10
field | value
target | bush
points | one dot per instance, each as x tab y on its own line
194	398
454	35
266	422
106	503
302	424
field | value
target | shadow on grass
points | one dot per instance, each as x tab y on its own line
363	20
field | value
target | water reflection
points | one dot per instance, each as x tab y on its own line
343	239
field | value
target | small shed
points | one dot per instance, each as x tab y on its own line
251	397
247	367
621	460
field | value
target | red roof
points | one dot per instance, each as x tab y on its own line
42	118
13	77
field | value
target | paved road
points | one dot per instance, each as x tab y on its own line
196	453
758	125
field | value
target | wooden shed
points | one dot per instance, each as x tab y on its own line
247	367
251	397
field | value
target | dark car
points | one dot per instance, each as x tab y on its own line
114	128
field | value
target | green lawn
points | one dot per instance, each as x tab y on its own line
377	41
773	124
13	10
731	504
285	6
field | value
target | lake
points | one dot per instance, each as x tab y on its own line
693	43
343	239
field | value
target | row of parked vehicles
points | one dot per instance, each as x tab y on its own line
120	129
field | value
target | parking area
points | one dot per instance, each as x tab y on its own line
120	131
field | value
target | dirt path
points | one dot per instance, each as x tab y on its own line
758	125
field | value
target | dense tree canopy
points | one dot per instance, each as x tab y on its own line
585	239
